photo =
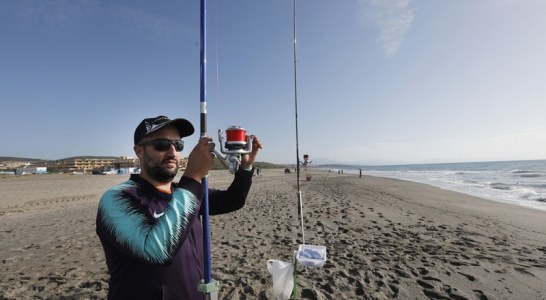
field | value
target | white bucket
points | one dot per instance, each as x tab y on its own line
283	282
311	255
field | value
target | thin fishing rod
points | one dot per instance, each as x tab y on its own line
300	202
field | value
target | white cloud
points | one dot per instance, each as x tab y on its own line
393	19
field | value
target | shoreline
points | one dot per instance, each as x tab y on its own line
517	181
385	239
221	173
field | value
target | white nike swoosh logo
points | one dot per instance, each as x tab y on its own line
156	215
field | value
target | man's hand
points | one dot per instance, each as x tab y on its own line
200	159
248	159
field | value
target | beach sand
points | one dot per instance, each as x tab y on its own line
386	239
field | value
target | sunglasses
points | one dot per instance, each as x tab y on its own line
164	144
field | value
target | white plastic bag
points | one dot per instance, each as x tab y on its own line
282	278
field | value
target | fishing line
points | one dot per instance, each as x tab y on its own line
217	54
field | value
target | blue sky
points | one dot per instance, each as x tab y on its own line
379	82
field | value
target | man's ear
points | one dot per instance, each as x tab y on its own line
139	150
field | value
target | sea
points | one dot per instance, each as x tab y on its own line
515	182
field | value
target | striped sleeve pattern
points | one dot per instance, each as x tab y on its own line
130	228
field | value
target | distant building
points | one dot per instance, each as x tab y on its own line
104	165
111	165
83	164
30	170
6	165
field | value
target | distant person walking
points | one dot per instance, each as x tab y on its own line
360	174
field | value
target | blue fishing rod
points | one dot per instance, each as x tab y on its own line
208	286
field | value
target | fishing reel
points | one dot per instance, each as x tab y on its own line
236	144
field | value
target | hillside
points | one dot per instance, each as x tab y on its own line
216	165
10	158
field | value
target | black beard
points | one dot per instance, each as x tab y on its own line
160	174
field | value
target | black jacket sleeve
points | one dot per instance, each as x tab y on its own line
234	198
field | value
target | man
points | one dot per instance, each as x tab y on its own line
149	227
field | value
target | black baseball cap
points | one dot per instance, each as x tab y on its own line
150	125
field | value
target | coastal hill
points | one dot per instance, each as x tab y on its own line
10	159
216	166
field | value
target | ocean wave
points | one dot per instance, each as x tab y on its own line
539	186
519	183
530	175
500	186
521	171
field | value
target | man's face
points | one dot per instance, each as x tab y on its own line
161	166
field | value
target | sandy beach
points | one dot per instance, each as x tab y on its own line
386	239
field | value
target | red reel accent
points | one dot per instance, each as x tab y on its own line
235	134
